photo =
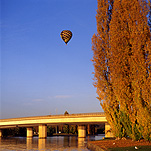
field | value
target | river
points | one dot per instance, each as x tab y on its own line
54	143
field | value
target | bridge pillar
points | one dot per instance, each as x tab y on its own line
108	132
29	132
42	131
89	132
0	133
81	131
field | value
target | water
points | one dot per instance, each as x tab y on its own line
54	143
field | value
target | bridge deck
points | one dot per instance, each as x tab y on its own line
83	118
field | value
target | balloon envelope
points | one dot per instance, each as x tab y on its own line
66	35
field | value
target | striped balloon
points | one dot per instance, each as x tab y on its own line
66	35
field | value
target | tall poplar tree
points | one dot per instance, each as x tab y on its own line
122	64
101	60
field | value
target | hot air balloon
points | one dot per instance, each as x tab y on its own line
66	35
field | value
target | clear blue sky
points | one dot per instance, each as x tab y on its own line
40	75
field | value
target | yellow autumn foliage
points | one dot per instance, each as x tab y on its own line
122	66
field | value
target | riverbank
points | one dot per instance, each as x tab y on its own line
104	145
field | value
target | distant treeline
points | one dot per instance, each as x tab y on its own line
18	131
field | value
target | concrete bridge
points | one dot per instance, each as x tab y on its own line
43	121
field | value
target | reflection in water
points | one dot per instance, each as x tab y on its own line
73	141
81	142
29	143
60	143
0	141
66	142
41	144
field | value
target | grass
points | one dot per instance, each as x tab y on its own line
122	145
